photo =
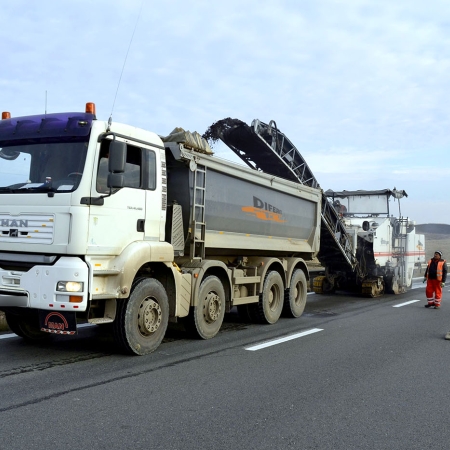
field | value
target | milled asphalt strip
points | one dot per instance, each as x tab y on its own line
281	340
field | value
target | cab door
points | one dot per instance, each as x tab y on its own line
120	220
155	182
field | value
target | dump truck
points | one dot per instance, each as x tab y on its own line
115	225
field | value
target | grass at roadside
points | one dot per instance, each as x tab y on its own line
436	242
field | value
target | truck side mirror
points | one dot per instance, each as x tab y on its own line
115	180
117	157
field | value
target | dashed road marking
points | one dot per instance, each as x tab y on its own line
7	336
281	340
406	303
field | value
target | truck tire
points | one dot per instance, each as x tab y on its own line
271	299
295	296
13	323
205	319
249	313
26	326
244	313
142	319
391	285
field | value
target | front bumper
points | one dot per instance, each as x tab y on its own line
36	288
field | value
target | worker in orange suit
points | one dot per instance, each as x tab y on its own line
435	276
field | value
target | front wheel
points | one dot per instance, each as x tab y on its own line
26	326
142	319
13	322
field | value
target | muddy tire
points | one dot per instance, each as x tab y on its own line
205	319
249	313
26	326
142	319
14	324
271	299
392	286
295	296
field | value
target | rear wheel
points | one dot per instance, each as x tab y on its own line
244	313
205	319
142	319
271	299
249	312
393	286
295	296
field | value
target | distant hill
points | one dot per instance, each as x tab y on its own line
433	228
437	237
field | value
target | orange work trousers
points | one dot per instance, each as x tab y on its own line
433	289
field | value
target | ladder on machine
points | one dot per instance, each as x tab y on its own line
399	250
198	224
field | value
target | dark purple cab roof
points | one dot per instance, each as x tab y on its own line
70	124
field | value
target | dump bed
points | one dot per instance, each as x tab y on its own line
244	211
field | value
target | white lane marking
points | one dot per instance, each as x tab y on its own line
406	303
7	336
280	340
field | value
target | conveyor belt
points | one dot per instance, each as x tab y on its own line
263	147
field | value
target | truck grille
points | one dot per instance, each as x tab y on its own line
27	229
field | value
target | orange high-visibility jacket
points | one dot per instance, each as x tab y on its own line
439	269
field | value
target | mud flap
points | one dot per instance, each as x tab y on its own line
58	322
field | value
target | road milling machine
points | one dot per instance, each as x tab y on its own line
387	248
364	246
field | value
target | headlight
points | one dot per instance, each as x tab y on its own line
69	286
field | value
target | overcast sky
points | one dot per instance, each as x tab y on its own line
361	87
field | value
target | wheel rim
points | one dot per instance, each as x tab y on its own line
150	316
298	294
274	297
211	307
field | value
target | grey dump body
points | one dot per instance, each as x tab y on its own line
245	211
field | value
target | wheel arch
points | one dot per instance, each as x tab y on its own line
293	265
164	274
202	270
266	265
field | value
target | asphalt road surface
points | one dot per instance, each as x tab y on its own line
351	373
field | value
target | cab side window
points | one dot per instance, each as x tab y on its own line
102	171
133	167
151	167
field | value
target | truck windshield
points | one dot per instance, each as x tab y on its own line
42	167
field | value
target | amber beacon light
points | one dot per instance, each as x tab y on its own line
6	115
90	108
